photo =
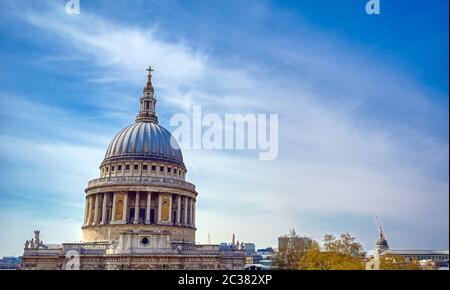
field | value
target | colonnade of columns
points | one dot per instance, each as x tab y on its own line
149	208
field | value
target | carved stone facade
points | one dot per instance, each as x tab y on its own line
142	205
132	251
140	212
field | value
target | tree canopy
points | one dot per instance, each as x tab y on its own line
336	254
343	253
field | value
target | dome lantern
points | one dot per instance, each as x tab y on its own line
148	102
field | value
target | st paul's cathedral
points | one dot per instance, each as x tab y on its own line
140	212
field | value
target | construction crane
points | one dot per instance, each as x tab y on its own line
382	235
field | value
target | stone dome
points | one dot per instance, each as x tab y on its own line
144	141
382	242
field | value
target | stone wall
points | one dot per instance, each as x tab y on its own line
112	232
138	262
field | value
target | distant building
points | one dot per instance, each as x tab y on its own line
248	260
266	263
426	258
7	263
265	252
257	259
249	249
266	256
435	256
443	265
225	247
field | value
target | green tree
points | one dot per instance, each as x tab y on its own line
346	245
296	252
337	254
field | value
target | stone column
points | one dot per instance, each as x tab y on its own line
136	208
185	219
125	208
90	209
113	211
178	210
147	209
170	208
193	213
97	201
191	207
159	207
105	203
86	208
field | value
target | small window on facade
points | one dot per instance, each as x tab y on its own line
119	167
136	167
127	167
107	169
161	168
179	172
175	171
144	167
113	168
153	167
169	169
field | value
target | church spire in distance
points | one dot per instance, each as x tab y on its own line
148	102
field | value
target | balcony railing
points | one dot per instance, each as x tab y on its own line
109	248
135	180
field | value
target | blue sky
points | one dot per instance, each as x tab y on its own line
362	102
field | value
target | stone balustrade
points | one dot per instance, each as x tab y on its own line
142	180
110	248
